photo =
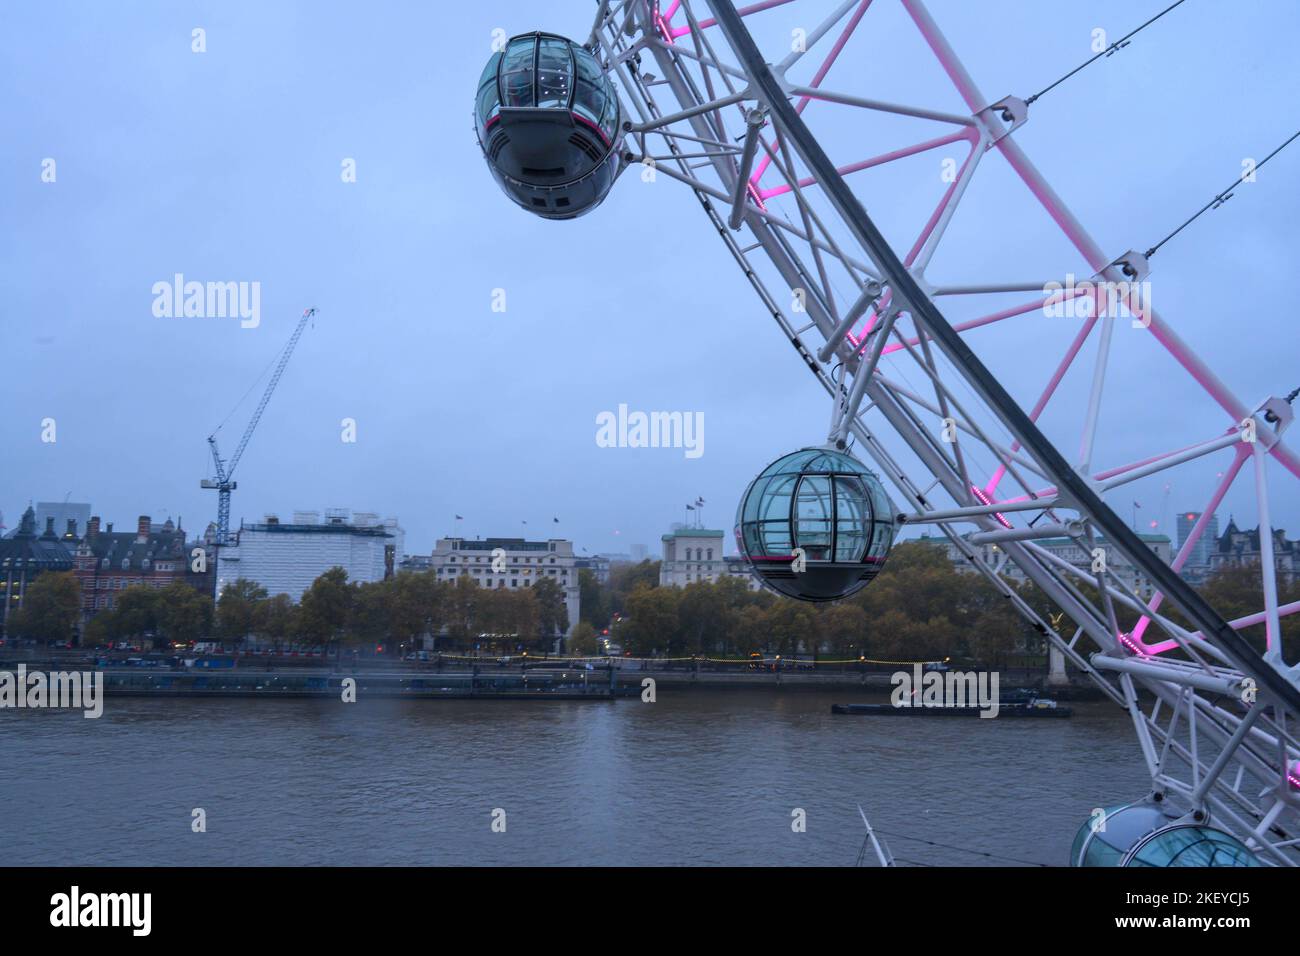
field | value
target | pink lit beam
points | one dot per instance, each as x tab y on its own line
881	106
705	24
1074	230
1186	453
943	211
820	75
869	163
1007	314
1185	551
1258	618
1064	366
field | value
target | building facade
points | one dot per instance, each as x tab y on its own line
1196	569
1068	550
1237	548
62	512
24	556
285	558
691	555
597	564
510	563
155	556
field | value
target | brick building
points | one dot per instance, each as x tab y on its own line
108	561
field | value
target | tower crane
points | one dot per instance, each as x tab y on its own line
223	483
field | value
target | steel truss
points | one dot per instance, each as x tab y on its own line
1215	718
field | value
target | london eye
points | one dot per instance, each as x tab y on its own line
744	107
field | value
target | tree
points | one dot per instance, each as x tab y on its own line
51	608
370	618
135	614
582	642
279	619
703	617
326	609
652	620
593	599
182	613
239	609
462	605
420	601
1237	592
843	629
552	611
624	578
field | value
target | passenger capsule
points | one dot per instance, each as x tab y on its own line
1147	834
550	125
815	525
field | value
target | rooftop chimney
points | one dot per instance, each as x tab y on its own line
93	527
49	528
143	528
72	529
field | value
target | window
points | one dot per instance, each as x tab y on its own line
517	73
813	516
554	73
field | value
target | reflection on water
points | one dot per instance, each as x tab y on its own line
696	778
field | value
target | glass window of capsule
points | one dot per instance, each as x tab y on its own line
822	501
825	504
548	72
1144	834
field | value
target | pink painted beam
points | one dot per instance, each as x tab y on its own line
1185	551
820	75
875	161
1074	230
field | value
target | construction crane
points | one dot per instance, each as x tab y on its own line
223	482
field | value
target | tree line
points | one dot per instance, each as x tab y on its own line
919	608
334	613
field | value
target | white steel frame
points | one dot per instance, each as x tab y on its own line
1215	719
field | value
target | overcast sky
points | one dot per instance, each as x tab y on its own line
226	166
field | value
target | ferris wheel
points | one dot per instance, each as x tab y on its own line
745	107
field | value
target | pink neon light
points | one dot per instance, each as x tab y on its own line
1007	314
1186	550
825	68
985	499
743	11
1074	230
878	161
1070	354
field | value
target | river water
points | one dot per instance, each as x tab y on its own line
698	777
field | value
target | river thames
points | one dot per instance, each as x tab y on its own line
697	778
